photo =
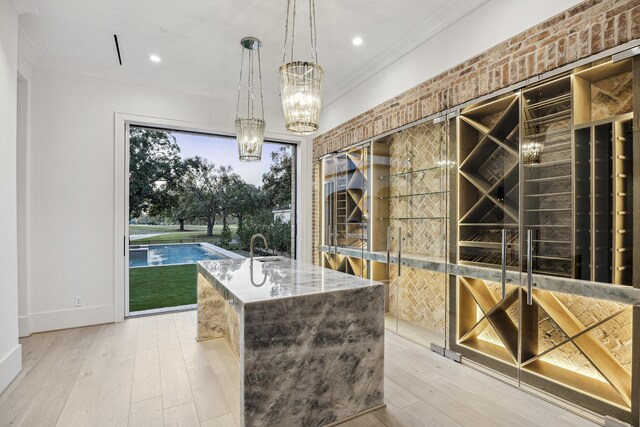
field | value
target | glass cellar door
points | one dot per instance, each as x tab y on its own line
487	291
577	239
329	211
410	194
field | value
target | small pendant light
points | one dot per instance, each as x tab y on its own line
301	81
250	129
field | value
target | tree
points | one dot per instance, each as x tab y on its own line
247	200
280	236
277	232
154	163
277	183
172	199
259	222
202	191
228	182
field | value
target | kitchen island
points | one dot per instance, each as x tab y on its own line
310	341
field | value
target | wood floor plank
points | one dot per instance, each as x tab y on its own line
404	375
24	392
176	388
111	407
207	394
475	405
152	371
226	368
366	420
146	373
194	353
419	414
181	416
503	395
226	420
568	419
48	404
148	413
400	396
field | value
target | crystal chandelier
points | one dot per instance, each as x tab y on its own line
531	152
301	81
250	129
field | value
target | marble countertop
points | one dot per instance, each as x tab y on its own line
275	278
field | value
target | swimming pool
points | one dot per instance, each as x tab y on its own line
154	255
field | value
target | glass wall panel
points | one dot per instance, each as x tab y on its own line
411	194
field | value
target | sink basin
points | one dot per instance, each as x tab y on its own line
271	259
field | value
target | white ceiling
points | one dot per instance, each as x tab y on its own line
198	40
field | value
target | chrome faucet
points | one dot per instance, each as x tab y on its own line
253	238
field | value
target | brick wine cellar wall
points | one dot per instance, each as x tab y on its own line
581	31
421	147
420	293
584	30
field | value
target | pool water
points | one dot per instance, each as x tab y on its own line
174	254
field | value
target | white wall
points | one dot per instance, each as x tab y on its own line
10	350
72	185
487	26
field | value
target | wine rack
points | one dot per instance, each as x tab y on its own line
488	185
604	164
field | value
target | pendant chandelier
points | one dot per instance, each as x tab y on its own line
531	152
301	81
250	129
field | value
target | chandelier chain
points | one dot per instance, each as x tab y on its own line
286	32
250	87
261	96
314	32
293	28
240	84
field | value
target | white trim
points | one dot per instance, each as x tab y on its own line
121	209
71	318
25	73
188	307
126	237
10	367
304	205
24	326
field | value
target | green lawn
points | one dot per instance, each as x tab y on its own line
148	229
163	286
181	236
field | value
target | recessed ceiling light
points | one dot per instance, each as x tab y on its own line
154	58
357	41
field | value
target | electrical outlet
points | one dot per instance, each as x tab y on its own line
77	301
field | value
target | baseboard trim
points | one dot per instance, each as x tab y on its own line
72	318
24	326
10	367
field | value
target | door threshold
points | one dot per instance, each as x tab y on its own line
165	310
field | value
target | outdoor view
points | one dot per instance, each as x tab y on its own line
191	199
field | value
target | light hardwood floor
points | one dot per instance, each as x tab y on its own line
151	372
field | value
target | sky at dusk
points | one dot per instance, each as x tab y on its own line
224	151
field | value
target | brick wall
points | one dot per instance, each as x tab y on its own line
581	31
584	30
